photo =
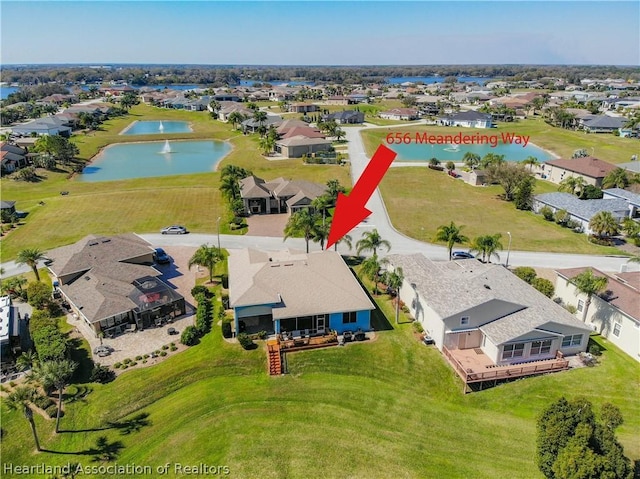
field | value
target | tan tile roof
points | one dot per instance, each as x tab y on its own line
303	131
300	140
253	187
588	166
298	284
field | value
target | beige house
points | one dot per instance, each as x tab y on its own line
591	169
615	313
400	114
277	196
299	145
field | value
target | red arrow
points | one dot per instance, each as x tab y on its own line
350	210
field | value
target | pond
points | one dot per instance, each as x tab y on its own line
123	161
156	127
452	152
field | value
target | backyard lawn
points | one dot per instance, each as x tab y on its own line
140	205
385	408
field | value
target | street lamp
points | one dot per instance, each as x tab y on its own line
508	250
218	228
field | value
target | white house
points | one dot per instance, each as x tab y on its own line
615	313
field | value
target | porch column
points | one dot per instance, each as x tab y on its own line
276	326
236	321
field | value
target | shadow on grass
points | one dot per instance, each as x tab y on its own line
104	451
81	356
127	427
379	321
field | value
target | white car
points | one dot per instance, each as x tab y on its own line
174	230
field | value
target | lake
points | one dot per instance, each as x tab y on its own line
123	161
436	79
444	153
156	127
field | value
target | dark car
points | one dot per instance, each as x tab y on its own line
161	257
461	255
174	230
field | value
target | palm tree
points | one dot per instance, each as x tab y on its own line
394	280
371	269
206	256
260	116
530	161
229	187
589	284
333	188
57	374
345	239
20	398
371	241
30	257
321	233
27	360
634	259
488	246
267	144
617	178
321	204
471	160
572	184
604	224
452	235
235	118
302	222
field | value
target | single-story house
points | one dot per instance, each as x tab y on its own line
591	169
291	291
277	196
632	199
467	119
49	125
110	283
338	100
8	206
305	131
227	108
485	319
615	313
579	210
303	107
298	146
12	157
287	125
251	125
603	124
345	117
400	114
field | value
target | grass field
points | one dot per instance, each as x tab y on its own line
140	205
419	200
387	408
562	142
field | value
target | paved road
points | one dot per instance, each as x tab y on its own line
380	220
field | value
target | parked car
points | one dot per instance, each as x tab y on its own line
461	255
174	230
161	257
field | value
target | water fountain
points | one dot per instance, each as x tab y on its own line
452	147
161	126
166	148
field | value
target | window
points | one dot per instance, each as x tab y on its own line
616	329
580	305
349	317
540	347
515	350
569	341
464	320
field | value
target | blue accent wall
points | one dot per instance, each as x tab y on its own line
363	321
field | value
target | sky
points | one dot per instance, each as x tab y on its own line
320	33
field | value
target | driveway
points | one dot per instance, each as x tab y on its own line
267	225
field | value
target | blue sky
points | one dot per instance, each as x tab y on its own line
321	33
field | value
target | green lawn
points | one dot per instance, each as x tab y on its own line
140	205
387	408
562	142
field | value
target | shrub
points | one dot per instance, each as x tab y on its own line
117	365
245	341
134	363
127	361
417	327
525	273
226	330
547	213
189	337
52	411
200	289
200	298
125	366
173	348
172	344
165	347
146	356
571	308
163	353
102	374
39	294
544	286
595	349
262	335
43	402
562	217
138	358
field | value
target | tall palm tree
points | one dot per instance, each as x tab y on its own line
206	256
394	280
370	267
371	241
333	188
346	239
452	235
589	284
487	246
573	185
530	161
302	222
618	178
471	160
604	224
235	118
30	257
55	374
27	360
229	187
21	399
321	233
321	204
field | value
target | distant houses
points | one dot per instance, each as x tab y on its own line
592	170
467	119
407	114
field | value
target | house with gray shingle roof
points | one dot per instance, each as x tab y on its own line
603	124
614	313
292	291
484	309
582	211
277	196
110	284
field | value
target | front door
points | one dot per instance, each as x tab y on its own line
320	323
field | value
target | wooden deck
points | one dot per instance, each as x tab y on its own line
474	367
274	357
312	342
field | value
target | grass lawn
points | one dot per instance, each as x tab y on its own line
141	205
562	142
387	408
419	200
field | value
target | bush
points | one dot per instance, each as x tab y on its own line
138	358
544	286
117	365
262	335
201	289
102	374
38	294
173	348
226	330
189	337
163	353
245	341
595	349
52	411
571	308
525	273
127	361
134	363
43	402
165	347
417	327
562	217
547	213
